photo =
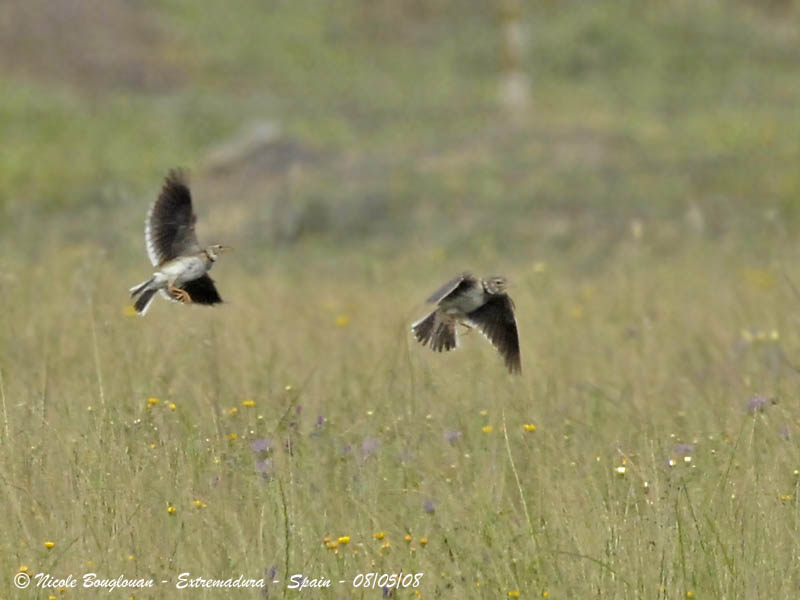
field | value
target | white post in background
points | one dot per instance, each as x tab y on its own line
515	88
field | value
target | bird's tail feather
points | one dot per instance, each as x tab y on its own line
137	289
143	302
424	328
439	333
444	337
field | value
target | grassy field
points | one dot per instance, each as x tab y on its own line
645	209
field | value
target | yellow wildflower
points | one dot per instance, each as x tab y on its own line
233	411
487	428
530	427
249	403
344	539
200	504
514	594
233	437
379	535
423	541
408	538
173	407
484	412
152	401
342	320
171	510
49	545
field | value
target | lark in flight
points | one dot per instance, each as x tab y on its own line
472	302
181	264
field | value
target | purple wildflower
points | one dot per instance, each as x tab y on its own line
757	404
264	467
452	435
261	445
429	507
683	449
369	446
320	421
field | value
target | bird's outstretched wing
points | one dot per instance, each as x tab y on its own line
496	321
452	288
169	229
202	290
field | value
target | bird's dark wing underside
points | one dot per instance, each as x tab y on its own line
496	320
452	288
169	231
202	290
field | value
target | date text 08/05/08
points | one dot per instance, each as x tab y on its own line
363	580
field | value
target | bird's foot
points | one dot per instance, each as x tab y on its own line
180	294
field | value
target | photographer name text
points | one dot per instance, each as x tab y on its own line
186	580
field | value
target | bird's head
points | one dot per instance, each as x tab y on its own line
215	250
495	284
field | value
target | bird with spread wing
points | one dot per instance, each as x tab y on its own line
472	302
181	264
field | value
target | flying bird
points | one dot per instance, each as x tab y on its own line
473	303
181	264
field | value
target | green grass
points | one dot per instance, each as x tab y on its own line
621	366
645	210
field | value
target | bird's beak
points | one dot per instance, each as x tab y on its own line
226	249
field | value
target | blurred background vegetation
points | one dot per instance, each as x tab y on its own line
355	120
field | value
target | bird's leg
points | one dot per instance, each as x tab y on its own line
179	294
467	328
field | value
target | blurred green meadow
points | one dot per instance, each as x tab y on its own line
644	202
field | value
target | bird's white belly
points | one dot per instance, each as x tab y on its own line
466	302
184	269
